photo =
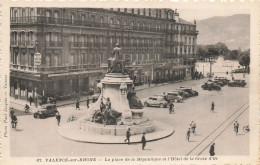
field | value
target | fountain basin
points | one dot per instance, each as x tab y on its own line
116	130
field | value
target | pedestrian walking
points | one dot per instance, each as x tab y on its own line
14	121
212	106
77	105
87	102
149	82
30	100
143	141
193	127
212	149
58	118
128	134
188	135
236	126
171	108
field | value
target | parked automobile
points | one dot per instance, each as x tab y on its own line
223	79
162	96
239	71
190	91
211	86
174	96
46	111
182	93
156	102
218	82
237	83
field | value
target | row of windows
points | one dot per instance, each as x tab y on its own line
148	12
55	59
91	17
22	38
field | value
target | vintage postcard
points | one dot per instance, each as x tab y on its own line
129	82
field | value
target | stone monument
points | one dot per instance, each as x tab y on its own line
117	108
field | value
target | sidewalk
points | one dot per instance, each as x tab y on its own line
19	104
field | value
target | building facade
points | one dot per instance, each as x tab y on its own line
75	43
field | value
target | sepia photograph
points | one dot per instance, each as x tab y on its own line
153	84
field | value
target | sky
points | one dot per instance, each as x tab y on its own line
200	14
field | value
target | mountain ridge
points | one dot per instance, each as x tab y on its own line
233	30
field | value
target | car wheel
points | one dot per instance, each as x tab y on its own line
145	104
42	116
35	115
175	100
161	105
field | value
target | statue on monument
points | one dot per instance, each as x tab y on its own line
116	64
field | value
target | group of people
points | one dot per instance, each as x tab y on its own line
192	129
128	135
197	75
94	99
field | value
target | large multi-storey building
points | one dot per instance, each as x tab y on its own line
75	44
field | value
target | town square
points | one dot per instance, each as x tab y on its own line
124	82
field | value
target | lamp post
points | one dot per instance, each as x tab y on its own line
203	70
210	62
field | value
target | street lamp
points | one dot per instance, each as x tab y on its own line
210	62
203	70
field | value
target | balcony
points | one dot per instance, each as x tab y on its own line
62	21
53	44
186	55
54	69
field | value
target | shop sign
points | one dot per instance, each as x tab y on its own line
37	59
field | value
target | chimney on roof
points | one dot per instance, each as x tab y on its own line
176	15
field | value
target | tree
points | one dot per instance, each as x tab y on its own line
233	55
202	51
244	60
221	48
212	51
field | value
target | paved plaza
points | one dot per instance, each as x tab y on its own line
39	137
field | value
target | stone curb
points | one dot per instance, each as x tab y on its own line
155	136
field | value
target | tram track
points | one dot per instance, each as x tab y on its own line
209	139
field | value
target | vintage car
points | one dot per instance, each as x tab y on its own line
237	83
156	102
190	91
239	71
174	96
182	93
162	96
218	82
223	79
211	86
46	111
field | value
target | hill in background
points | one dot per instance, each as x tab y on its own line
234	31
